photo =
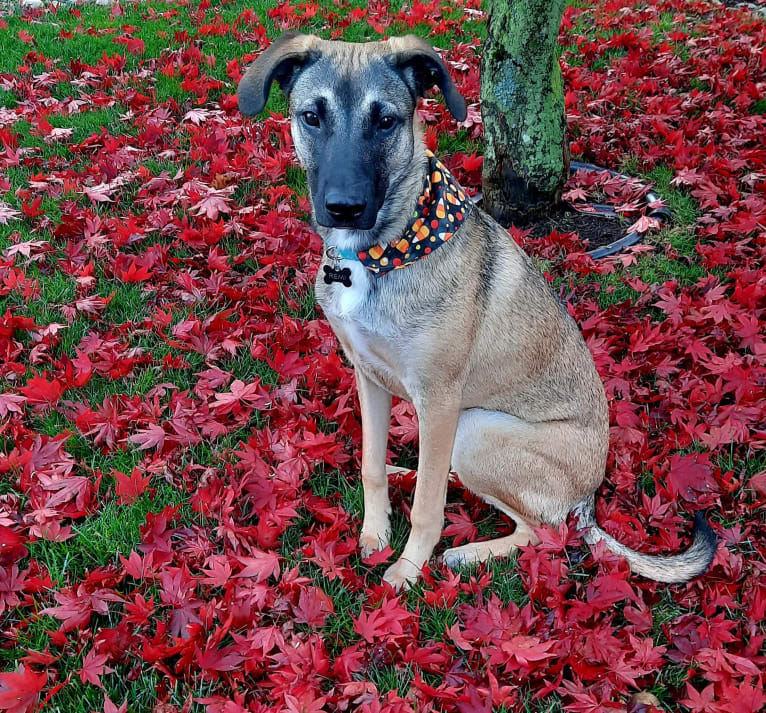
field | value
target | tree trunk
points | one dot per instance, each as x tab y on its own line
526	155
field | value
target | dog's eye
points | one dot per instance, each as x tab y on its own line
310	118
386	123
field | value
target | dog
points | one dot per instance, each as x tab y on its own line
433	302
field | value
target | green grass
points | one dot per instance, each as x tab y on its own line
548	704
31	635
506	581
101	538
754	463
307	306
684	208
56	289
52	208
435	622
651	269
391	678
127	303
607	56
460	142
140	691
333	485
83	125
655	267
209	452
743	470
296	179
97	542
338	630
246	369
170	88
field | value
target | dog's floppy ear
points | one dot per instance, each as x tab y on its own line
422	67
282	61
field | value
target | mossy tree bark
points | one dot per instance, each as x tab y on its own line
526	155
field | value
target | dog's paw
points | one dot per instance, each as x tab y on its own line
456	557
375	534
372	542
401	574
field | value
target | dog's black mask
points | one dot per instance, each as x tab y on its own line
349	169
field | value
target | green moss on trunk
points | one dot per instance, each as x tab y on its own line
526	159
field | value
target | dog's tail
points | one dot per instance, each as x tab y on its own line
677	568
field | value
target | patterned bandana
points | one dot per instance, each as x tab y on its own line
442	207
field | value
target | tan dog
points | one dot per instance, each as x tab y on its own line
505	389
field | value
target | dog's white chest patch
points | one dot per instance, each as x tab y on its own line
349	299
376	356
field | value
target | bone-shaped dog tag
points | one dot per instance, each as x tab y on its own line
332	274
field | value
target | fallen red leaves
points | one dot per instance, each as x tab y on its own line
19	690
178	360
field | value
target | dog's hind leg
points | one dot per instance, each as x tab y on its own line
533	472
396	469
492	549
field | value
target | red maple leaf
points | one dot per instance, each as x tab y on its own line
387	620
134	45
20	689
39	390
130	487
93	667
758	482
215	202
288	364
12	583
134	273
461	527
306	702
75	606
525	649
473	162
313	607
475	700
110	707
11	403
252	395
260	565
691	474
72	487
608	589
153	436
701	702
214	659
11	549
218	571
378	556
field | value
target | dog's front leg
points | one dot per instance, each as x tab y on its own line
376	418
437	426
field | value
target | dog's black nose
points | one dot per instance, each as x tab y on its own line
344	208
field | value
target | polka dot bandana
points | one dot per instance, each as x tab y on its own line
442	207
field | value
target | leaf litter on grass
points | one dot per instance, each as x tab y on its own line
180	437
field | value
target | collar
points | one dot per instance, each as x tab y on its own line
441	209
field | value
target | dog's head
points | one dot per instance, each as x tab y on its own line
352	108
